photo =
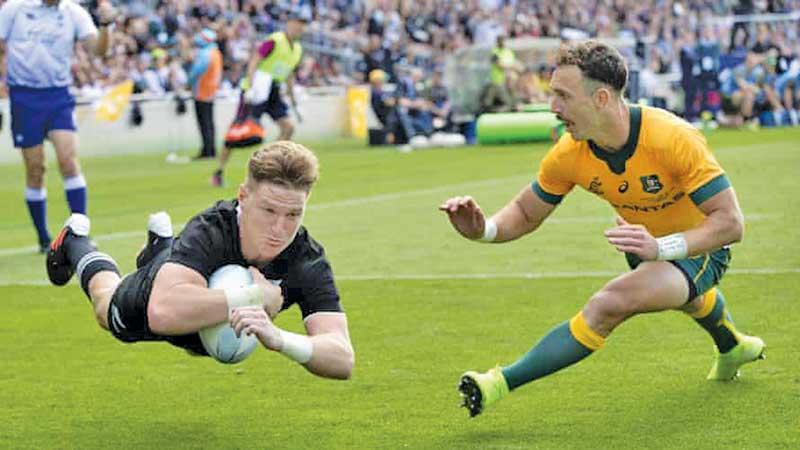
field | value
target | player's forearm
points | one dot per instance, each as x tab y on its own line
332	357
720	228
186	308
521	216
512	223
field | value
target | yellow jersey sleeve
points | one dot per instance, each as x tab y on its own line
555	180
694	166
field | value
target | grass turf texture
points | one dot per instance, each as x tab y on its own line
64	383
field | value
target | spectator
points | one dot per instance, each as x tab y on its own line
410	102
204	77
397	127
528	87
497	96
435	93
377	57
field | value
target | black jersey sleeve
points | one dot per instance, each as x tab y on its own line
310	282
318	291
209	241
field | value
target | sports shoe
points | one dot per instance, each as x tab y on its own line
479	390
159	237
726	367
59	269
216	179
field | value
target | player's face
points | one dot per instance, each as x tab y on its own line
571	103
271	216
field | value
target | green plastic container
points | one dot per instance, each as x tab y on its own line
518	127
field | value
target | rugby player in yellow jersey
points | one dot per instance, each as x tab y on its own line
677	215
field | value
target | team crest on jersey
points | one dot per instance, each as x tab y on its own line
650	184
596	187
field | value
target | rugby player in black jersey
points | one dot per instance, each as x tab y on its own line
168	299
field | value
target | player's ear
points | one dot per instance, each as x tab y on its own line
242	193
601	97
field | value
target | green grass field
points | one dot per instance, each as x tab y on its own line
423	305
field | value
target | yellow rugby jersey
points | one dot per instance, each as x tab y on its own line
657	179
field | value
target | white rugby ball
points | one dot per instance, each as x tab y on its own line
220	340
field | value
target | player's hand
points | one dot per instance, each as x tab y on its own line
106	12
253	321
633	239
273	298
465	215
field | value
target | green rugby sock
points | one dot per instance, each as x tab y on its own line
563	346
715	318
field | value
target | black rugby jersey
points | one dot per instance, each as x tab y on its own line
211	240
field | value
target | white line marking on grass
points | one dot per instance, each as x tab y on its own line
335	204
483	276
99	238
14	251
538	275
450	189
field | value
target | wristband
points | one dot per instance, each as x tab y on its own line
250	295
489	231
672	247
296	347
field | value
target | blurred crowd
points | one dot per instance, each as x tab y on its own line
348	39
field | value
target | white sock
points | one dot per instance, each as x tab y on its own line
160	224
79	224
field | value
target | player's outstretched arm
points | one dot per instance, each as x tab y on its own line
519	217
182	303
333	355
325	352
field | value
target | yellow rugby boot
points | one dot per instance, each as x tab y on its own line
726	367
479	390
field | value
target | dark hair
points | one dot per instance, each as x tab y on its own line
597	61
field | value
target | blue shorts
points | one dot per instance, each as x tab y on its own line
36	112
702	272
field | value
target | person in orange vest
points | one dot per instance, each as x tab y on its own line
204	78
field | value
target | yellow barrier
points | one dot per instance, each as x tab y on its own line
357	104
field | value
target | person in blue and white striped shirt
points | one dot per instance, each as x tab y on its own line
38	39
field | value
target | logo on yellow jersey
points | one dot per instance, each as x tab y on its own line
651	184
623	187
596	186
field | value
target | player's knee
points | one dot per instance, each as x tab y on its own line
68	166
609	306
349	363
35	174
693	306
101	316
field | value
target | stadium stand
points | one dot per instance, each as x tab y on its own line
691	55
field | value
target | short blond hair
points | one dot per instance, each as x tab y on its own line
284	163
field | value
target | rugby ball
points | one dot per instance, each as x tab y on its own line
220	340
